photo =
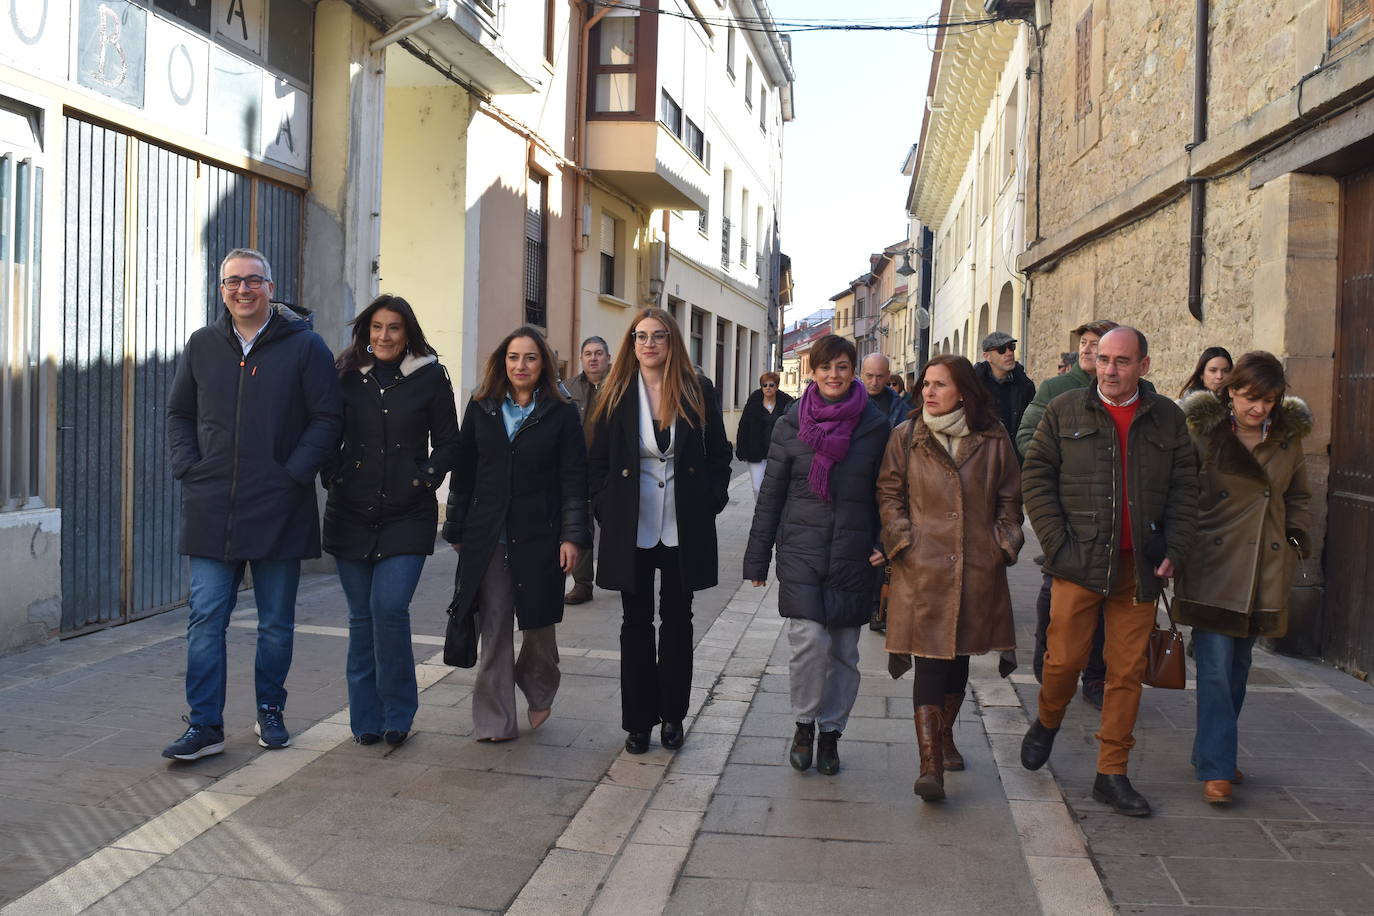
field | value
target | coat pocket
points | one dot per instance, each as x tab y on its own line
1082	526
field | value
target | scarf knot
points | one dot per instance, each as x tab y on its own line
945	428
828	428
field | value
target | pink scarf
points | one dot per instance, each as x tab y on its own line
828	428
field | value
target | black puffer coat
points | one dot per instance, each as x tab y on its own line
247	435
1010	395
397	446
823	547
701	485
755	428
533	487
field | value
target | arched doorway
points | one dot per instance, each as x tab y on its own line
983	323
1004	309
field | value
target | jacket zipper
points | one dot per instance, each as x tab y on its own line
234	477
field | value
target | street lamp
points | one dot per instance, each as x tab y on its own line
906	270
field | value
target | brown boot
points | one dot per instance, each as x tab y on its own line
931	784
953	759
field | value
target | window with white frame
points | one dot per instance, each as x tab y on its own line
748	83
611	273
730	51
21	208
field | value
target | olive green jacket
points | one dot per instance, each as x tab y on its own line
1242	561
1073	489
1049	389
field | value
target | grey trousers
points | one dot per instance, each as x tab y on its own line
583	573
499	672
824	672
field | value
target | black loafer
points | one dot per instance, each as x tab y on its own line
637	742
671	735
367	738
1093	692
395	738
1036	746
1116	790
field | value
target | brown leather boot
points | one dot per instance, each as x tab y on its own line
953	759
931	783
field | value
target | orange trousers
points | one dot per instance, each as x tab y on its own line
1073	618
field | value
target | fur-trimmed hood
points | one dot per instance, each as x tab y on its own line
1206	412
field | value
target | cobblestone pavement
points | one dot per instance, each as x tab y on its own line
562	821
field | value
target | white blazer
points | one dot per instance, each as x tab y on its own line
657	505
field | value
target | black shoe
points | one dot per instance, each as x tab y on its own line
1036	746
1116	790
670	735
1092	692
877	623
198	741
270	728
367	738
803	746
637	742
395	738
828	754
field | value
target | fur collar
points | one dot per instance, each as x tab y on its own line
408	365
1206	414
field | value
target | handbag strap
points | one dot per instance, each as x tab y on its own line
1168	611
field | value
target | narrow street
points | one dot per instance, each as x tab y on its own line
562	821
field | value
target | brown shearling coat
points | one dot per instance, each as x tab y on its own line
1242	564
951	527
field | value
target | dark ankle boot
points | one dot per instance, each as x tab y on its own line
953	759
931	783
1036	746
1116	790
803	746
828	754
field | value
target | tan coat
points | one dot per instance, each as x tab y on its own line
950	528
1241	567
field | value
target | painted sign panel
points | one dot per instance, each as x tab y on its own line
35	35
192	12
178	79
239	22
285	123
110	49
236	87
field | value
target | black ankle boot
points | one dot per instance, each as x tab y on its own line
1116	790
1036	746
803	746
637	742
828	754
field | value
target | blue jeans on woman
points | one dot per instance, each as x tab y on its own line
382	695
1223	668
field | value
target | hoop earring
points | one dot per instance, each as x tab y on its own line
369	348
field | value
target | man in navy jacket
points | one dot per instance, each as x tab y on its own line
253	413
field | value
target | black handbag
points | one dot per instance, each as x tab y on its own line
460	636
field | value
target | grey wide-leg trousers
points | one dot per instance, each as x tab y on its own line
499	671
823	672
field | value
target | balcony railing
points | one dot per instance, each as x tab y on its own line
725	242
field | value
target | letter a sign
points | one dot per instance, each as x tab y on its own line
239	22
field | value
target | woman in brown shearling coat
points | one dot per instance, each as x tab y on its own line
949	499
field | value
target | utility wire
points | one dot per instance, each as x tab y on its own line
748	24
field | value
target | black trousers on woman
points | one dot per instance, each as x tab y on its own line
655	675
936	677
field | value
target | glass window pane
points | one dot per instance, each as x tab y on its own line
618	41
615	92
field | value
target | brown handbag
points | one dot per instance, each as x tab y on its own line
1165	665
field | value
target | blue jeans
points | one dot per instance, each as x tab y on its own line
382	695
214	592
1223	667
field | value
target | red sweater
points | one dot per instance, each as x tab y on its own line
1122	417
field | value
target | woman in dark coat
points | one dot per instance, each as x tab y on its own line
659	471
755	429
517	515
817	504
1252	530
400	437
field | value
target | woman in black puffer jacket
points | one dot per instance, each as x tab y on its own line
400	438
818	504
755	429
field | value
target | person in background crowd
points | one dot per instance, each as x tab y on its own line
896	384
1252	531
1005	379
1082	374
912	397
756	421
876	371
1067	360
949	497
1209	372
659	472
583	388
1110	485
252	415
517	516
817	506
400	438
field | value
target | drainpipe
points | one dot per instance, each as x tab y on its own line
443	9
1199	189
582	228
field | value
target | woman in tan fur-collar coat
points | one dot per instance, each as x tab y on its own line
1251	534
949	499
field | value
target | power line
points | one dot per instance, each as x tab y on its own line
748	24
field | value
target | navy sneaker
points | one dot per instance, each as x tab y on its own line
198	741
270	728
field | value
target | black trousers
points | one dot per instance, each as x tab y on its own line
1096	669
655	675
936	677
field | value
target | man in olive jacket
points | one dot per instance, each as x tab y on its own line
1110	484
584	388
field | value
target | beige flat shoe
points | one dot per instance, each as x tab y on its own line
539	716
493	740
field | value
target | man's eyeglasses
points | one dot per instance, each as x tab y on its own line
643	337
252	281
770	385
1005	348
